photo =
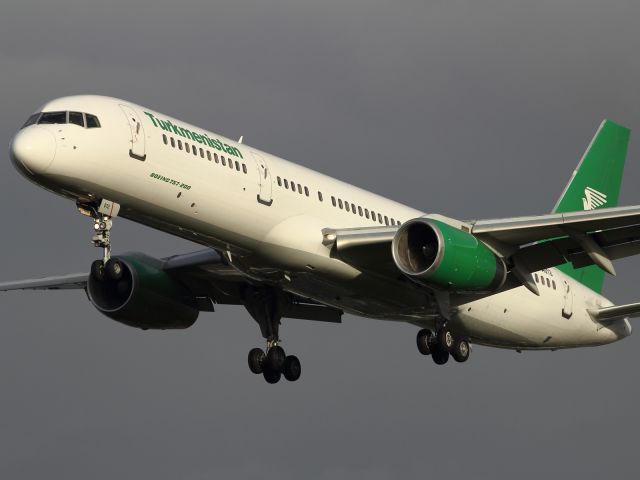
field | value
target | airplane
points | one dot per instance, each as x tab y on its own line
284	241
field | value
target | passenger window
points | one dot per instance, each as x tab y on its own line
195	151
319	195
353	208
306	191
553	282
223	161
237	165
244	168
346	206
49	118
393	222
366	213
202	153
215	157
360	210
548	283
300	189
333	200
536	277
286	183
179	144
173	142
92	121
386	220
293	186
164	137
77	119
231	164
208	155
340	204
186	147
279	182
33	119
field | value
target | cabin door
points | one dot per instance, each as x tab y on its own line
137	144
567	309
264	180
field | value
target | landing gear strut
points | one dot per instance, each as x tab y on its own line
266	306
102	215
442	344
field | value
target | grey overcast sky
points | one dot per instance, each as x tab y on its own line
468	108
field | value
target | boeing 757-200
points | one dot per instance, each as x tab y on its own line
285	241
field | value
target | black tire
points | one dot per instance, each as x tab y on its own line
275	358
256	359
291	368
97	270
270	375
422	340
446	340
439	356
461	351
114	269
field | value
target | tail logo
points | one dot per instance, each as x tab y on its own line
593	199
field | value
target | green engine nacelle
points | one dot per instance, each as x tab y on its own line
146	296
431	252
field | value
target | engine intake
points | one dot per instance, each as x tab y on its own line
432	252
145	297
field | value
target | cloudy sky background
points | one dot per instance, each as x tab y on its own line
471	109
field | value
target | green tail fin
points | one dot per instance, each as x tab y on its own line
595	183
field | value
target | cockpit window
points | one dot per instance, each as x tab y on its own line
92	121
84	120
32	119
76	118
53	117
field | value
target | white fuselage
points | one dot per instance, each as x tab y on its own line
267	215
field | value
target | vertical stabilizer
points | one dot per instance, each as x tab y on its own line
595	183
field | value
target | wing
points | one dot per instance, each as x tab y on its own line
208	276
527	244
581	238
618	312
64	282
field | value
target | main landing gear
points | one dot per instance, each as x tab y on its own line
265	306
442	344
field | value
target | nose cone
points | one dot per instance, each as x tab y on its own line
33	149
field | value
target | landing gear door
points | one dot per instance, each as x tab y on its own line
137	144
567	309
264	180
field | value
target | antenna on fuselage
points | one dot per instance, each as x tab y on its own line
241	138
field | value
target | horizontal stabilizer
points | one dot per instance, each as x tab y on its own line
617	312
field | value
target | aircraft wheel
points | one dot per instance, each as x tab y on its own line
461	351
97	270
270	375
114	269
291	368
440	356
422	341
275	358
256	359
446	339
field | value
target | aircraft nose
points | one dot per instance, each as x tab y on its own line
33	148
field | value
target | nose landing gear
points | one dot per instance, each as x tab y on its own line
102	215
